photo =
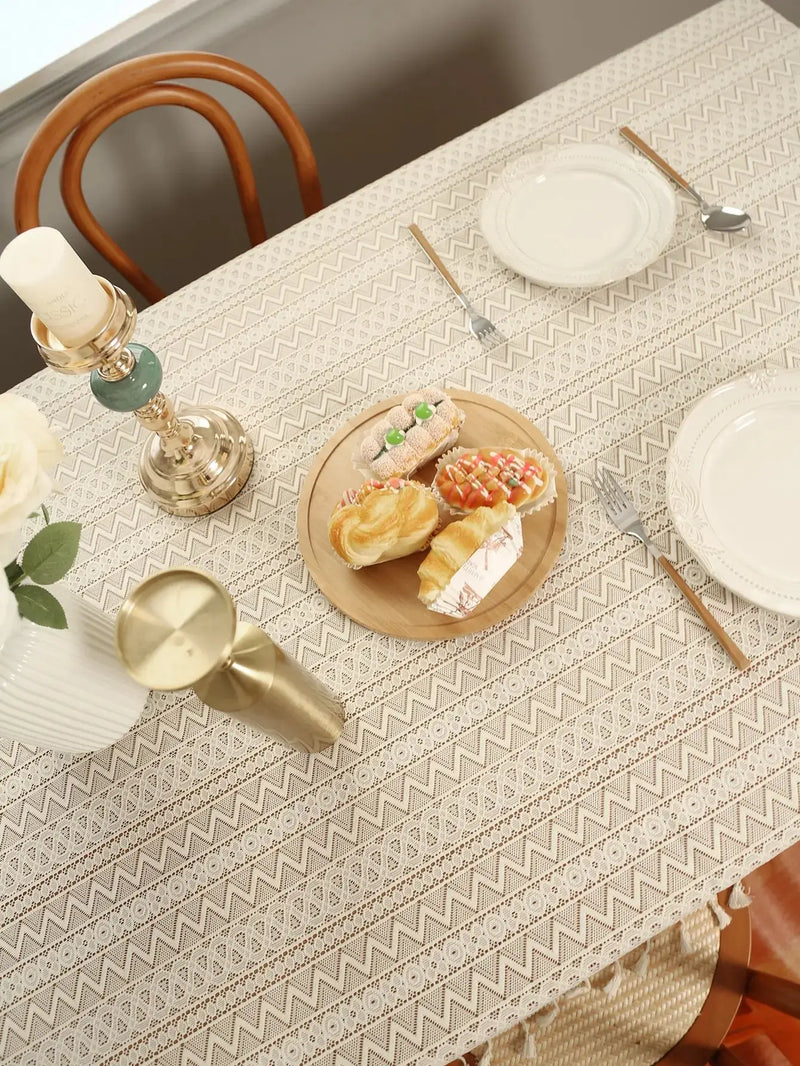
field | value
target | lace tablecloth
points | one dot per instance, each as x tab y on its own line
507	813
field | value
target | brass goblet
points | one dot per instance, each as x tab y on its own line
178	629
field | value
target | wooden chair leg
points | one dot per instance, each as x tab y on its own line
758	1050
727	1057
777	992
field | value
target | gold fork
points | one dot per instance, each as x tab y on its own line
479	326
625	517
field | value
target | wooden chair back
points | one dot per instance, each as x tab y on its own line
137	83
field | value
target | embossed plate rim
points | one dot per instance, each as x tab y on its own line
642	176
700	428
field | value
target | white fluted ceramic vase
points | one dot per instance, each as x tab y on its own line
65	689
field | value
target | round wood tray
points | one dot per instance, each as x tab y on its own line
384	597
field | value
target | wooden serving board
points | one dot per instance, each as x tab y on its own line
384	597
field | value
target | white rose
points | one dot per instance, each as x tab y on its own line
29	452
8	610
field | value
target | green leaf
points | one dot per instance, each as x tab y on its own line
40	606
51	552
14	574
45	515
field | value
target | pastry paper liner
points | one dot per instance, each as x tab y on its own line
547	497
476	578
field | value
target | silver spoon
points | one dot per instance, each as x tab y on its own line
714	216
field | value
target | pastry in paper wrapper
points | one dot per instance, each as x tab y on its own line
468	558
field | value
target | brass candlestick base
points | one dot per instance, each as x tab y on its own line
209	464
178	630
196	461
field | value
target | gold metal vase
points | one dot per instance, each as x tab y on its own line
178	629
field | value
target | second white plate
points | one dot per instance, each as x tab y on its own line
733	486
582	215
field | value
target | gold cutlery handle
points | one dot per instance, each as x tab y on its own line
733	649
653	156
428	249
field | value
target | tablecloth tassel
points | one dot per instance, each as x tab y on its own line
486	1057
642	963
739	897
687	947
611	987
523	1032
579	990
547	1016
722	916
529	1046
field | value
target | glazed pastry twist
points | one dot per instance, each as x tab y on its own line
382	521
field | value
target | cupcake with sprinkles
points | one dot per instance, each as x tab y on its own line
417	430
467	479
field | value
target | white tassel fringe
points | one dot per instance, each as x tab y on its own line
578	990
611	987
687	947
529	1047
739	897
523	1025
547	1016
722	916
641	965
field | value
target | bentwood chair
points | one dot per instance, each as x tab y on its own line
673	996
86	112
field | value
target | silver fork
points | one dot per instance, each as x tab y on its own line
479	326
625	517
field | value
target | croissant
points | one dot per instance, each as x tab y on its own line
382	521
451	548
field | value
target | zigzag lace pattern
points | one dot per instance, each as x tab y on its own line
506	814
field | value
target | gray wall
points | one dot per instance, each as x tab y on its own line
375	83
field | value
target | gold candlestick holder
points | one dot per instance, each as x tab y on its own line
178	629
196	460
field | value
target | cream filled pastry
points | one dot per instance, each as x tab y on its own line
420	428
382	520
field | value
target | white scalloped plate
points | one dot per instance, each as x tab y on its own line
588	214
733	486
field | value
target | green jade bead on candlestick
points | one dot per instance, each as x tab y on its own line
136	388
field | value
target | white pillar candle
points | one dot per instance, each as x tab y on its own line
47	273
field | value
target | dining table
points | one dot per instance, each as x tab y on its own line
506	812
